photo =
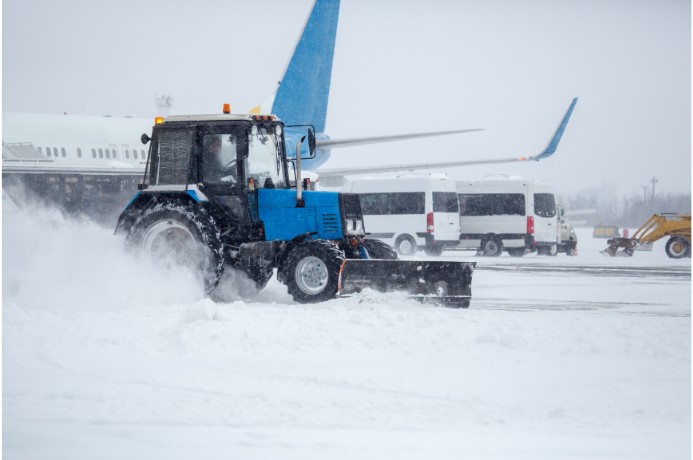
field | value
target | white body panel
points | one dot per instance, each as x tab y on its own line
499	206
546	228
396	208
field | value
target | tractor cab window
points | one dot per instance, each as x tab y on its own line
219	158
265	164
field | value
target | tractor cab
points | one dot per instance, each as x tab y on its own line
225	159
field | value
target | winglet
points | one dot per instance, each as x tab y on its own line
553	143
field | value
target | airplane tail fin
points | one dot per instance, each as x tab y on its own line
553	143
301	97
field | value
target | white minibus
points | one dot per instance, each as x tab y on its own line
503	212
410	212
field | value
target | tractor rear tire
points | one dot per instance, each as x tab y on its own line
180	234
312	271
678	247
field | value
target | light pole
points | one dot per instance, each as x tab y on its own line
654	181
163	103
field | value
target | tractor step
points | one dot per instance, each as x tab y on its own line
448	283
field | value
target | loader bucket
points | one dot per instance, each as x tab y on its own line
448	283
627	244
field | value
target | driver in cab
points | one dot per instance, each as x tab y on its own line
219	159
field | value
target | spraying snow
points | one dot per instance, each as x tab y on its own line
53	261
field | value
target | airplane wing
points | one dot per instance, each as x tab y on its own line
335	176
334	143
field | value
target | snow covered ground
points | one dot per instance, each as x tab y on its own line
557	357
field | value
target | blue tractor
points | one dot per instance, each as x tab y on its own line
217	194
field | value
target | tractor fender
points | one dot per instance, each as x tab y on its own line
143	201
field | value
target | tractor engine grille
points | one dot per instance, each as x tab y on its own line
330	223
173	157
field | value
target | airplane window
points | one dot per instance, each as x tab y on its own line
100	153
93	153
108	154
79	153
115	154
55	152
39	149
143	154
127	154
62	151
48	151
134	154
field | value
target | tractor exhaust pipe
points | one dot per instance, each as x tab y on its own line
299	180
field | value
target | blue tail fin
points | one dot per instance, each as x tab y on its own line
303	91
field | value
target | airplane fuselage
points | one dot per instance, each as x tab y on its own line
82	164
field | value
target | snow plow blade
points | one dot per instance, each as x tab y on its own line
447	283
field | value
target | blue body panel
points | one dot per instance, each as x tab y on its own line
284	221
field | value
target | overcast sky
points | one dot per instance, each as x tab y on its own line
510	67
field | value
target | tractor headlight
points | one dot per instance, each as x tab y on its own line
354	227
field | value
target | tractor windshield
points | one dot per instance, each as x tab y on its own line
265	162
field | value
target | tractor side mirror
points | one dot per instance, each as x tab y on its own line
311	142
145	138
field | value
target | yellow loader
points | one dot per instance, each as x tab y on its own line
676	226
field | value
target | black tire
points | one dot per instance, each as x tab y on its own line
550	250
517	252
379	250
491	246
678	247
180	234
312	271
433	250
405	245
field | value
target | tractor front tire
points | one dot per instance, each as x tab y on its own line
312	271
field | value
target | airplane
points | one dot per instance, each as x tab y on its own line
92	165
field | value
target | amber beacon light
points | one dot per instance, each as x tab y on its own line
227	108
